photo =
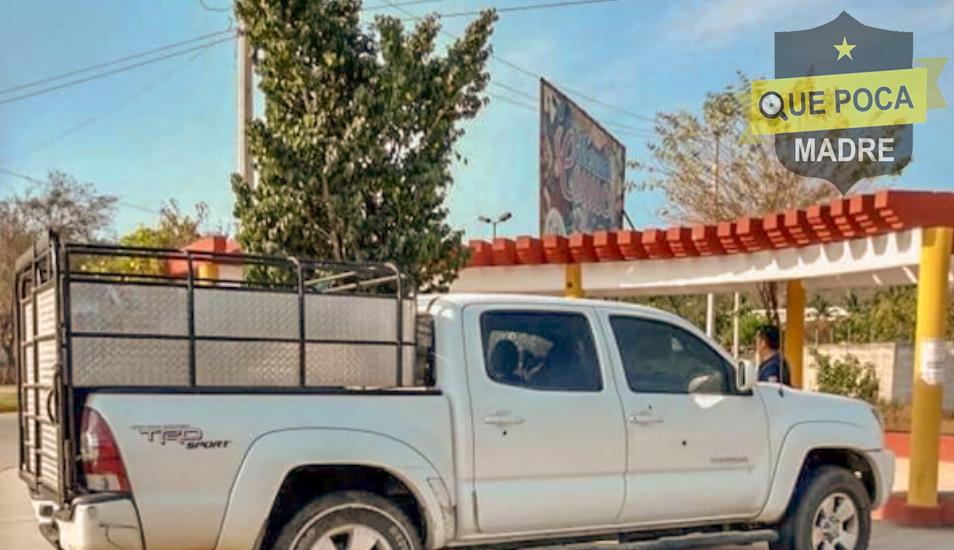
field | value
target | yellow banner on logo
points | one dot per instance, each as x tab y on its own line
839	101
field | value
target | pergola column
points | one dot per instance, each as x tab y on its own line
795	329
574	281
929	363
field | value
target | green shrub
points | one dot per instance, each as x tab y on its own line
846	376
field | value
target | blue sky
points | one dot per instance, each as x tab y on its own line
167	130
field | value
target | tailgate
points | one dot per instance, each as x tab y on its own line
43	439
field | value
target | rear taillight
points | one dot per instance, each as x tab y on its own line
102	465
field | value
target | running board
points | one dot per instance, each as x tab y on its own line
696	540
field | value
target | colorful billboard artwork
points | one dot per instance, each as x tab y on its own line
582	169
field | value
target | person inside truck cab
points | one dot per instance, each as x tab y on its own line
505	362
772	367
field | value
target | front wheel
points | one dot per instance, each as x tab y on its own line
832	512
348	520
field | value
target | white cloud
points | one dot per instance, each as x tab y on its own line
721	22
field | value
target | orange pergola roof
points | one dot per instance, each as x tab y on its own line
840	220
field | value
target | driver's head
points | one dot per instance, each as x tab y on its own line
504	360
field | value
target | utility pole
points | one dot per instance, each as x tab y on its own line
710	297
735	327
245	106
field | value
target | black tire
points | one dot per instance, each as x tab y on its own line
795	531
328	513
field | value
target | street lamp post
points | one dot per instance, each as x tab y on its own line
493	222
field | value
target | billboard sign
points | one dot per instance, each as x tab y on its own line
582	169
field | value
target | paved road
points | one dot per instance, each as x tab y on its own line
18	530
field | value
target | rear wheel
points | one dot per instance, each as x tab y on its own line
348	520
832	512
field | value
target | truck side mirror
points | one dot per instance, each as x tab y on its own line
748	375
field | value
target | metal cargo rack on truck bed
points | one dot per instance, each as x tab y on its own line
109	318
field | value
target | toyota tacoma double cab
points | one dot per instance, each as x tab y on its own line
196	401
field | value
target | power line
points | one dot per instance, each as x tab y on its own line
622	130
532	74
512	101
514	90
537	99
525	8
410	3
113	62
114	108
41	182
207	7
114	71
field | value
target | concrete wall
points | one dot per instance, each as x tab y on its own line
894	363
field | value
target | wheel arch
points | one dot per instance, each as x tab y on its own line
809	445
297	460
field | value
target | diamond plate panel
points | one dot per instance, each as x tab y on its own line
46	312
49	452
246	363
350	365
48	360
126	309
29	401
246	314
410	320
130	362
350	318
413	374
29	373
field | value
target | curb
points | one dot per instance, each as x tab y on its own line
900	513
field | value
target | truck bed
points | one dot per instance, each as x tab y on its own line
184	452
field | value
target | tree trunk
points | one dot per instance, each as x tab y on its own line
768	294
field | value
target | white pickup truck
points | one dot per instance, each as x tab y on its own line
166	413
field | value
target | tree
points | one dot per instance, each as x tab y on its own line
893	314
823	313
855	326
76	211
706	176
174	230
846	376
354	154
690	150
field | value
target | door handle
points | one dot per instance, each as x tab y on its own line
503	419
645	418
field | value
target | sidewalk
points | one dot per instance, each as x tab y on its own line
18	529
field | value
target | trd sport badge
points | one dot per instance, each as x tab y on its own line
844	101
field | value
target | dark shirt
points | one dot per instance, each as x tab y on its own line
769	370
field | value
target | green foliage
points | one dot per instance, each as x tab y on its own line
706	176
846	376
360	129
692	307
887	315
174	230
76	211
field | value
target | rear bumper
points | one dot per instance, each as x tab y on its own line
883	466
96	523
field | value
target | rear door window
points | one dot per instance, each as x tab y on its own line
547	351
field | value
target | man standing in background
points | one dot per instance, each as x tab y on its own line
772	367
